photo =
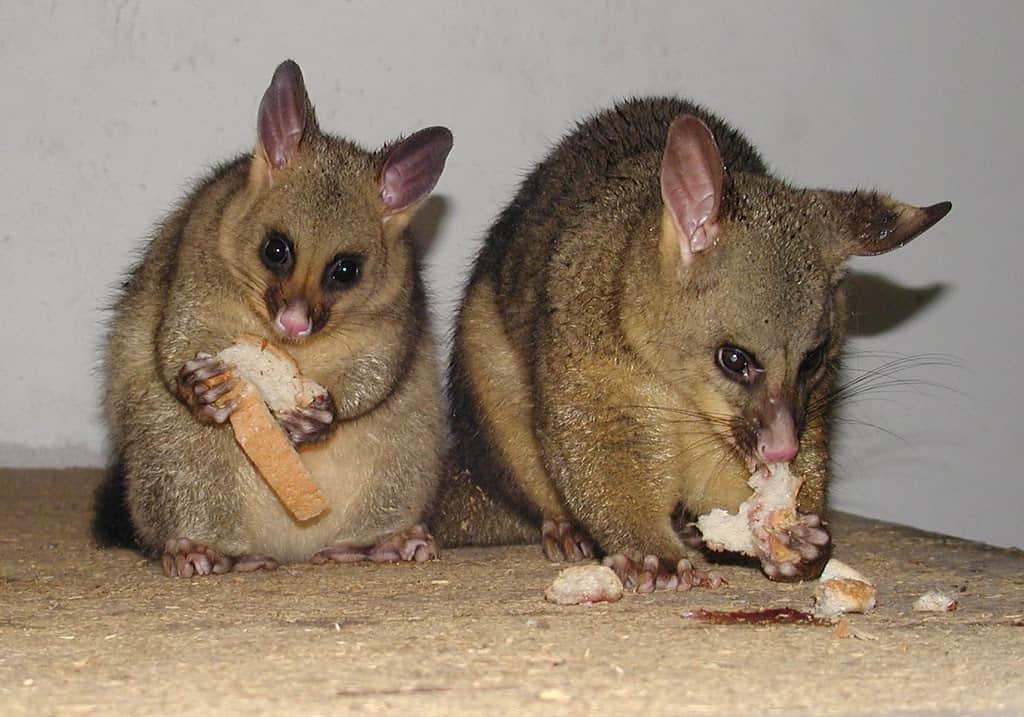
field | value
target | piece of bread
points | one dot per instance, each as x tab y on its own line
584	585
841	589
752	531
937	601
269	380
273	372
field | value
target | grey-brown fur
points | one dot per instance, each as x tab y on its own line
603	340
200	284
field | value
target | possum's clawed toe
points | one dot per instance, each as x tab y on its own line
414	544
202	383
564	540
653	574
184	558
807	542
309	425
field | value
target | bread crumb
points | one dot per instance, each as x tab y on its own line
554	695
841	589
584	584
936	601
837	569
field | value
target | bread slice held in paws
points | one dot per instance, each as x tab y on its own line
269	380
754	529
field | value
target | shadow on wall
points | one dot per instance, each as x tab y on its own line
877	305
425	227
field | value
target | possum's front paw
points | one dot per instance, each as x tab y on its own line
794	552
653	574
564	540
309	425
202	383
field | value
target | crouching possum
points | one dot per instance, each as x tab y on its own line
301	243
651	319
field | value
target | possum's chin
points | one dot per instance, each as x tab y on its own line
288	336
293	340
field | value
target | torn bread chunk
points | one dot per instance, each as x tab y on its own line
269	380
768	512
841	589
937	601
584	584
273	372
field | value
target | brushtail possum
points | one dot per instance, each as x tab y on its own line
652	318
301	243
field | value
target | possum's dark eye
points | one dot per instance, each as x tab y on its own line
737	364
812	361
277	253
343	271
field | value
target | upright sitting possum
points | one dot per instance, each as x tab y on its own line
653	318
300	244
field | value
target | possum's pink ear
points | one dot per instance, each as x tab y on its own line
285	117
691	184
412	168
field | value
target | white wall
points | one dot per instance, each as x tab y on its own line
110	108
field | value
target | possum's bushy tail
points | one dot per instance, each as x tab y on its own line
111	523
463	513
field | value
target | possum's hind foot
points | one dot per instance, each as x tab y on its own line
250	563
796	552
652	574
564	540
413	544
184	558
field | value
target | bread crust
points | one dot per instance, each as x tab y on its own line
257	431
269	449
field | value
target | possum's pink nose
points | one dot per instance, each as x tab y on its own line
777	440
293	319
777	454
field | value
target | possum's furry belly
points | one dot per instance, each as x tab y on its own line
348	475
